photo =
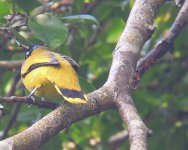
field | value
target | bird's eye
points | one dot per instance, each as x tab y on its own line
27	54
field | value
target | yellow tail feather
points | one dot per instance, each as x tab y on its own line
72	96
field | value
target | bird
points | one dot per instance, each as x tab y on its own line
50	75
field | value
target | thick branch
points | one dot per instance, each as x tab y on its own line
117	89
165	45
60	118
138	29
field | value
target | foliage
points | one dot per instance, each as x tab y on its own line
90	38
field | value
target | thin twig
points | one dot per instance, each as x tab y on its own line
14	84
9	26
165	45
11	64
117	139
17	40
1	113
30	101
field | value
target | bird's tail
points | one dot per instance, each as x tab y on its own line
72	96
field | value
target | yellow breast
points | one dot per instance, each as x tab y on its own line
38	78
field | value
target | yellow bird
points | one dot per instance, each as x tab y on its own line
50	75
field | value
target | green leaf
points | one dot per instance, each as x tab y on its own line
77	6
115	33
86	86
29	5
4	8
3	21
97	54
21	39
49	29
81	19
101	78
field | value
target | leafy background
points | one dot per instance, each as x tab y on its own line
161	99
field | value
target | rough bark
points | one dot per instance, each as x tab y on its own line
138	30
115	92
60	118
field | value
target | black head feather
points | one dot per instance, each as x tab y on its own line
31	49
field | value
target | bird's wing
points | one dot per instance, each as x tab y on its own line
72	62
45	60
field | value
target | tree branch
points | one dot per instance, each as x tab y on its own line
116	90
60	118
138	29
165	45
28	100
117	139
11	64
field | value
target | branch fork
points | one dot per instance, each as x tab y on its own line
115	92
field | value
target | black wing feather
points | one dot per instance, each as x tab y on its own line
53	62
72	62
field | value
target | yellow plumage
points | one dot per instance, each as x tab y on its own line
51	75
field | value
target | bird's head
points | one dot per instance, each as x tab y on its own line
33	48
